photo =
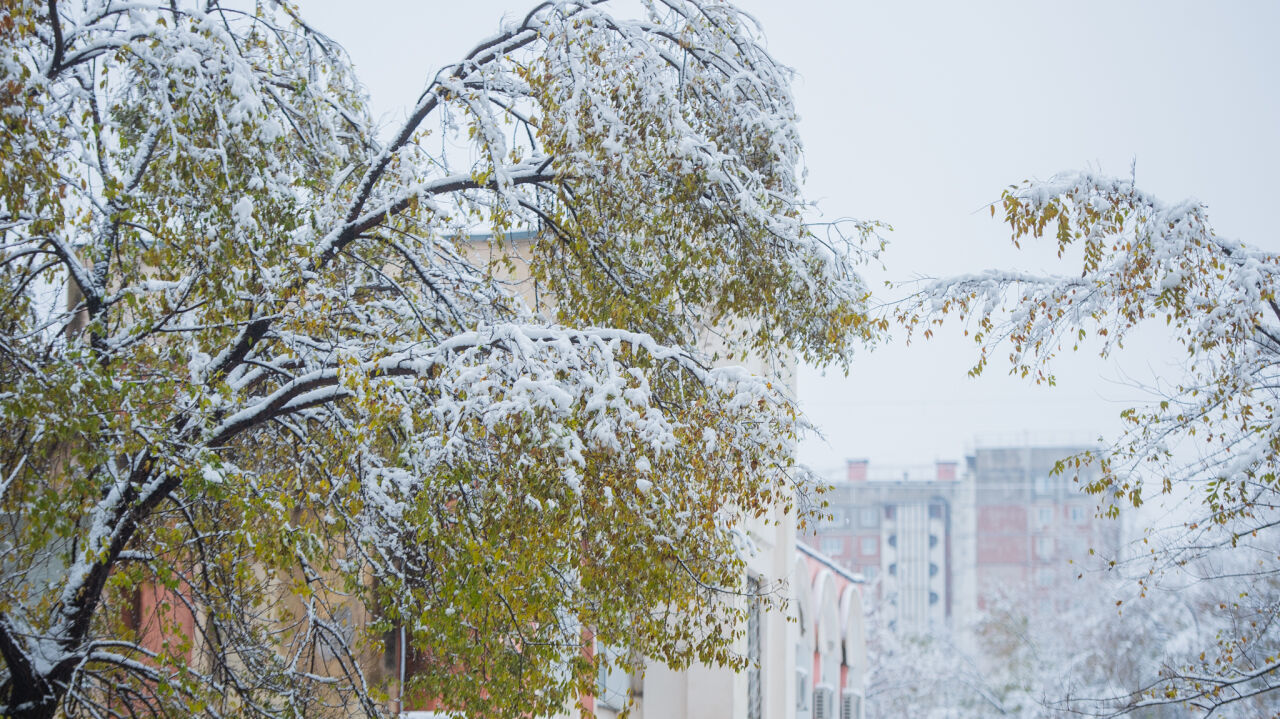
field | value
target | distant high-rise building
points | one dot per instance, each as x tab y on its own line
940	543
1032	524
903	527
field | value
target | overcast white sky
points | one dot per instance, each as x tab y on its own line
918	114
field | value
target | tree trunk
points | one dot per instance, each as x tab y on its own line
38	699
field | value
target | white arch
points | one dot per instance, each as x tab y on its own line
802	599
855	638
806	638
828	630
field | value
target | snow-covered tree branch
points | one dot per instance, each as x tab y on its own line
261	368
1211	441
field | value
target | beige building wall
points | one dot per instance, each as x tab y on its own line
704	692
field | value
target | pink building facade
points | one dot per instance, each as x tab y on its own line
831	650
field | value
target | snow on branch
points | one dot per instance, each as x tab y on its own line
255	356
1210	439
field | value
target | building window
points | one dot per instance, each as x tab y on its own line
933	541
803	691
1044	547
869	546
1044	515
836	520
1043	484
933	597
935	511
888	511
893	569
343	623
1078	515
869	517
893	540
1044	577
612	683
933	569
832	546
402	661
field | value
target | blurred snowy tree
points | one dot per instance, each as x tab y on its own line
1090	649
1210	441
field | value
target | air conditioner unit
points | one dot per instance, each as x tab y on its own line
824	702
850	705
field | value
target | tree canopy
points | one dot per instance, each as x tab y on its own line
1210	441
253	357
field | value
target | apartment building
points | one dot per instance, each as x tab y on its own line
1033	526
940	541
903	528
